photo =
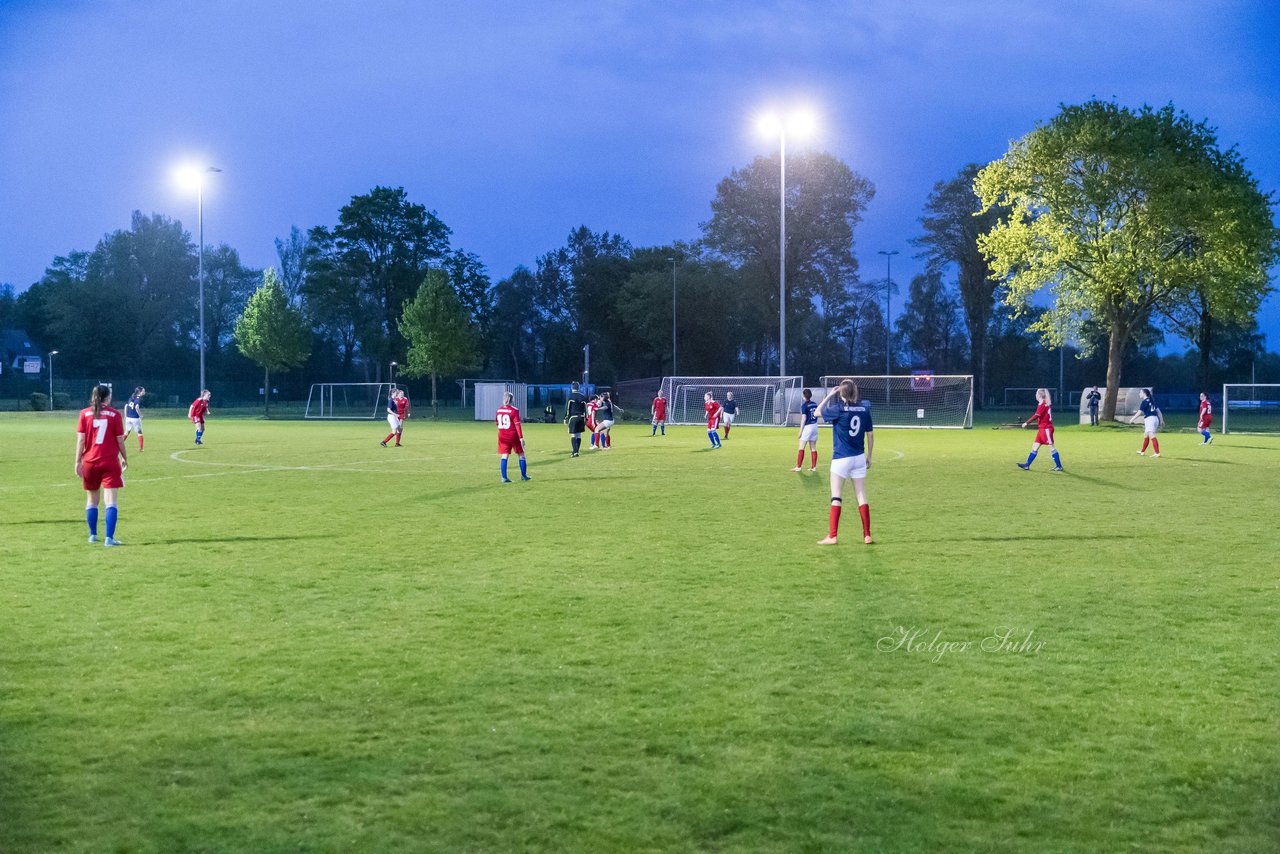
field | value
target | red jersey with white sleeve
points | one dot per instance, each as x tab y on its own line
1044	422
659	409
199	407
510	433
714	411
402	407
1206	415
101	437
592	406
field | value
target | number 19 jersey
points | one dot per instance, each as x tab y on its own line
850	424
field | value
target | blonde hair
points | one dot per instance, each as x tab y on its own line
849	391
507	397
1042	395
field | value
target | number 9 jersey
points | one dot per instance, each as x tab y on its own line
850	425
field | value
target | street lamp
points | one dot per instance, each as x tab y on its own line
52	353
391	374
194	175
674	372
798	123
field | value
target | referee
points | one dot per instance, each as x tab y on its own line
575	415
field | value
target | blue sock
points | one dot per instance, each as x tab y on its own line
1057	461
111	522
1031	457
199	433
655	430
1205	433
664	428
91	516
504	468
524	470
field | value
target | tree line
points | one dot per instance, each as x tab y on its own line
1101	230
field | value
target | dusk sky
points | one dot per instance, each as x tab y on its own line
517	122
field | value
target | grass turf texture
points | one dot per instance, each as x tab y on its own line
310	642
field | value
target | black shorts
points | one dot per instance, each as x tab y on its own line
577	423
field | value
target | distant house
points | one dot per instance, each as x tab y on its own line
18	355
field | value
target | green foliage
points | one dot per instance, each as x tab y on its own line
39	401
269	332
1119	214
275	672
441	337
929	328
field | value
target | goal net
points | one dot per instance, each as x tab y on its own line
761	401
347	400
919	400
1250	408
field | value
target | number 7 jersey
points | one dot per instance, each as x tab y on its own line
101	435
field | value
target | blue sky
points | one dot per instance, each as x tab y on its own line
517	122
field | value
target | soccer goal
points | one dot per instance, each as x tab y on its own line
920	400
1250	408
347	401
762	401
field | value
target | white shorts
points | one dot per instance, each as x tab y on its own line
131	424
809	433
1150	424
603	425
393	421
728	418
855	467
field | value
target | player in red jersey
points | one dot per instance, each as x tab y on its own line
197	410
659	412
402	412
1206	419
101	459
592	405
1044	433
714	413
510	436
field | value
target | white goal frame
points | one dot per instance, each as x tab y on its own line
1269	402
914	400
332	401
762	401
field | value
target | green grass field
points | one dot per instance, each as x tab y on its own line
312	643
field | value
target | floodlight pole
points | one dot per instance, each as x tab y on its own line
586	367
391	375
52	353
674	372
782	250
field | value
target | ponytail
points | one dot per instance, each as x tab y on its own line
100	395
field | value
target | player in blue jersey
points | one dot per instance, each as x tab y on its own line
808	432
852	441
133	415
729	411
1151	419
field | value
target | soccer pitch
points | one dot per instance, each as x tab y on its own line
310	642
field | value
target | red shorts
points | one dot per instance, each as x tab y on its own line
510	446
100	475
1044	436
1205	423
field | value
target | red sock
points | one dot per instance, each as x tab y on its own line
726	431
833	527
864	510
814	456
1155	443
390	436
397	440
799	458
139	441
608	440
1146	440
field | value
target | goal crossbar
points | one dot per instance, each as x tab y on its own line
347	401
1250	408
760	401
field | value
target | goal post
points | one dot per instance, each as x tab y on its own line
934	401
347	401
1250	408
762	401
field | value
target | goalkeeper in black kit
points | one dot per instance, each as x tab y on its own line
575	416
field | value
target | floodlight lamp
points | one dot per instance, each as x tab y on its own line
769	124
802	123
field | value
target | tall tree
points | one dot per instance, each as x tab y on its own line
825	200
952	222
373	261
440	334
228	284
929	328
471	283
1119	213
271	333
514	349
